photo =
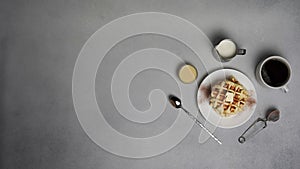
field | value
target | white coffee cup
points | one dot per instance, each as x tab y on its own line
282	68
227	49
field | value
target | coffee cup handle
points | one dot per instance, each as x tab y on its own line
285	89
241	52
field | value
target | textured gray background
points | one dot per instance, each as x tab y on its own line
40	41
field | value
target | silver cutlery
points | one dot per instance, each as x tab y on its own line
258	125
176	102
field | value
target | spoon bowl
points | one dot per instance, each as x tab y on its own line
175	101
273	115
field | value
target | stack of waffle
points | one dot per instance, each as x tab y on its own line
228	97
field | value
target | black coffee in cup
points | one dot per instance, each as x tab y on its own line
275	72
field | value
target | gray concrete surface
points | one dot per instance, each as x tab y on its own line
40	41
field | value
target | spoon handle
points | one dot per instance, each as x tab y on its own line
202	126
258	125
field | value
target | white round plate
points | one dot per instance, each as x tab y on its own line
214	117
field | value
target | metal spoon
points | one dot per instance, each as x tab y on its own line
176	102
259	125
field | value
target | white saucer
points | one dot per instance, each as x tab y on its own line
214	117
